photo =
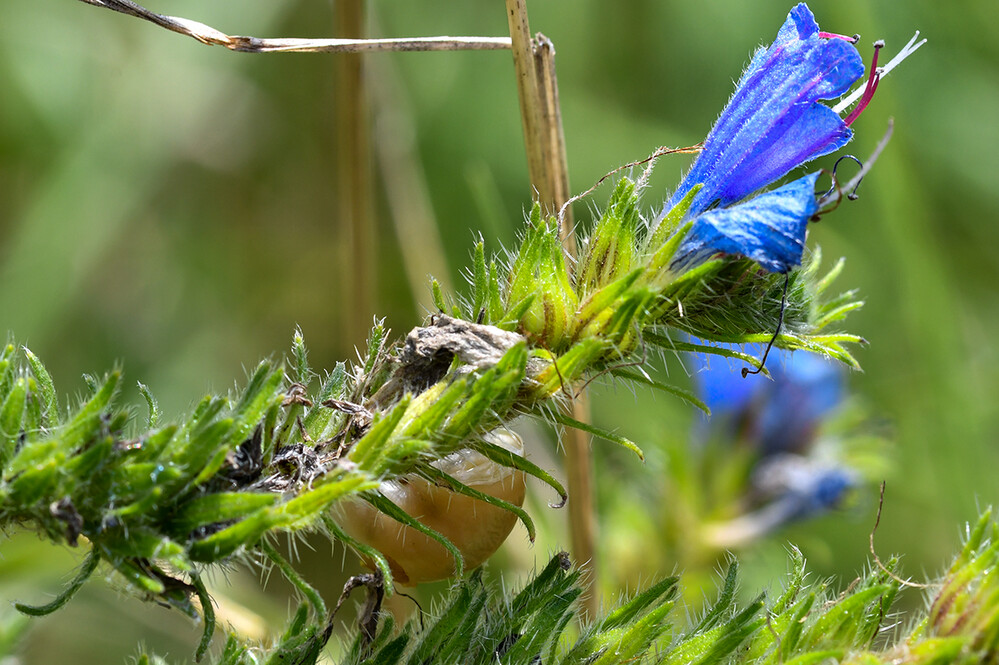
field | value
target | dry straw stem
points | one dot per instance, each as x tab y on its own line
544	141
209	35
354	178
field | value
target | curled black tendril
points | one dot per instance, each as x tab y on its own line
835	179
835	188
780	322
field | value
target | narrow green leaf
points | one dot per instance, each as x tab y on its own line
511	319
492	392
290	574
376	341
550	580
816	657
683	394
501	455
7	367
830	277
843	616
568	367
494	310
296	513
480	280
303	373
445	627
734	633
383	504
428	410
661	592
46	389
321	421
376	557
599	301
670	222
153	405
219	507
11	413
86	570
370	447
208	612
438	295
458	487
795	583
569	421
724	602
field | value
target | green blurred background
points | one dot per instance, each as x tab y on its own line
170	207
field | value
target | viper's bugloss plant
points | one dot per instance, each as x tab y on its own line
158	501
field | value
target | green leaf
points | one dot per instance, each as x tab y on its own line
679	346
667	227
569	421
438	296
46	390
153	406
385	505
445	629
507	458
610	250
86	570
685	395
11	413
376	557
320	422
434	474
219	507
661	592
303	373
480	280
370	448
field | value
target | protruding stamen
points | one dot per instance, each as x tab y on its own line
906	51
872	85
834	35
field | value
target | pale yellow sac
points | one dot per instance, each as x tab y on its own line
476	528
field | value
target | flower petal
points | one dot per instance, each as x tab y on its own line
774	121
769	229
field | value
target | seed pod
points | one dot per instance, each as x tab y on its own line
476	528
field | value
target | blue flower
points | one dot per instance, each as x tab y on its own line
774	121
770	229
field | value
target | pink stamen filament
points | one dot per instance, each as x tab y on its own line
872	86
835	35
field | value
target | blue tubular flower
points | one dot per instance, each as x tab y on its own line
774	121
770	229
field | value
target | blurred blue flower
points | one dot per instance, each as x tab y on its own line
778	418
774	122
775	415
790	488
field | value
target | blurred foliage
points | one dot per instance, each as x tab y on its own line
169	204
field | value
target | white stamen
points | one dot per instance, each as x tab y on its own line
906	51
